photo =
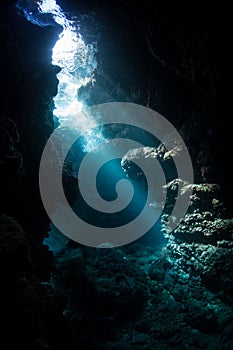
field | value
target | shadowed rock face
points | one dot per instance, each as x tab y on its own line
175	60
28	83
11	160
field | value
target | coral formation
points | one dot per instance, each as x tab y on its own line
176	295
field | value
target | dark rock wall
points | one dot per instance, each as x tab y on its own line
31	310
28	84
175	60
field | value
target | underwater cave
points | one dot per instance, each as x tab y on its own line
116	223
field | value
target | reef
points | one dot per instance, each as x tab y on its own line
177	295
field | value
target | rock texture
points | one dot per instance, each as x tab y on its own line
31	309
174	59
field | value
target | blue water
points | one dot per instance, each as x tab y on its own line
78	63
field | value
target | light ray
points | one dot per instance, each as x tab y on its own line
77	62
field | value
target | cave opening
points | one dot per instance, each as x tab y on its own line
167	289
77	62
